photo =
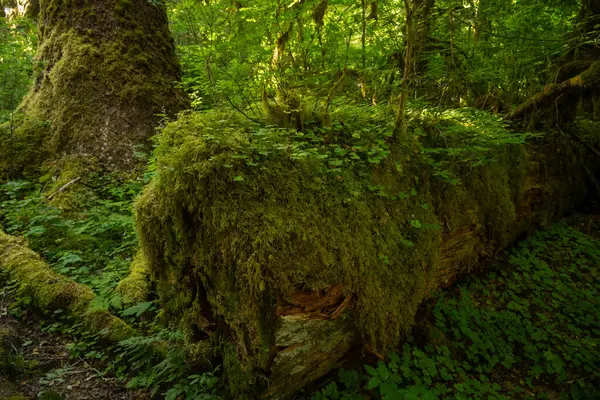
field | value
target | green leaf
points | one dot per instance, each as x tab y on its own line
373	383
138	309
372	371
416	223
383	372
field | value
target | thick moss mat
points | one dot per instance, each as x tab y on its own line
240	216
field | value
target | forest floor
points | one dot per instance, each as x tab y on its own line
528	327
41	367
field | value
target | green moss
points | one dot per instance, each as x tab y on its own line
50	291
102	77
112	329
136	286
22	147
240	216
67	182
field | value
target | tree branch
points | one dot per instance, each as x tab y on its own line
590	78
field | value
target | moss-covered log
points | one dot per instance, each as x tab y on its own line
288	256
50	291
105	69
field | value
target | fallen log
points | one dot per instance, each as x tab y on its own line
286	262
50	291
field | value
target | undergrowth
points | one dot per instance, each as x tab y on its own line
528	329
94	246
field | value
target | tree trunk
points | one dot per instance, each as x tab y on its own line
418	25
106	69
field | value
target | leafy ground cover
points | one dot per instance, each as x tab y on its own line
94	246
529	328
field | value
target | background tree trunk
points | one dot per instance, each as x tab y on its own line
418	25
105	70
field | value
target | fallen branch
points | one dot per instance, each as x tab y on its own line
50	291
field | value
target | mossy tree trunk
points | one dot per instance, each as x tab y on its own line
105	69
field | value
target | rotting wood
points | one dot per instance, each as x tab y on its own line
302	356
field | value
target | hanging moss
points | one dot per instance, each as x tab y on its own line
240	216
104	70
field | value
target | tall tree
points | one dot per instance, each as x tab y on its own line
105	70
418	25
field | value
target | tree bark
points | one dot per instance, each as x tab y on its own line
105	71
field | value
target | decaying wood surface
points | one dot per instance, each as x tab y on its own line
316	330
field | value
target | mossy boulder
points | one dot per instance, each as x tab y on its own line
104	70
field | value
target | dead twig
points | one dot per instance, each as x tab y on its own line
64	187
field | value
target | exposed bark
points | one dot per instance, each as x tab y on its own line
106	70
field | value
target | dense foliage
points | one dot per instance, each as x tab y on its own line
322	52
17	44
329	143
